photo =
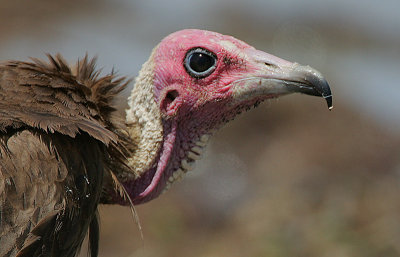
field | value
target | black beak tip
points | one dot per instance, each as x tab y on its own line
317	83
322	87
328	100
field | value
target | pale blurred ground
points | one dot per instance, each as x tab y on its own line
287	179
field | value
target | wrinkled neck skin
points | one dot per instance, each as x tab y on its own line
143	120
174	157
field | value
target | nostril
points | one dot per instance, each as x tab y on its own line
270	65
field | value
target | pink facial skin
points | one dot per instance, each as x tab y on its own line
192	107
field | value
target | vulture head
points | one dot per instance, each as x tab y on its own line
194	82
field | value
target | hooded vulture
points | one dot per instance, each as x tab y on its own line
64	149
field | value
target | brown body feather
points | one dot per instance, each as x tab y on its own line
57	141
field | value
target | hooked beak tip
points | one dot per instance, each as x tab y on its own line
328	100
313	81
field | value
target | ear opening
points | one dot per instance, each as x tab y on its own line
168	104
171	95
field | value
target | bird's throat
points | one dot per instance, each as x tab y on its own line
175	158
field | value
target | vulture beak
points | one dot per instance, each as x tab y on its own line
275	76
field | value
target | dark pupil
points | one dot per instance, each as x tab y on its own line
200	62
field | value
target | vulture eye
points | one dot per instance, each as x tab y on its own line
200	63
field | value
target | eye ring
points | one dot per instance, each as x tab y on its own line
199	62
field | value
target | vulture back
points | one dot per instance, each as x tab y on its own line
56	144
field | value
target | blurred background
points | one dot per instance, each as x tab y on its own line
289	178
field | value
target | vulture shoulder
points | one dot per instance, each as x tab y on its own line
56	143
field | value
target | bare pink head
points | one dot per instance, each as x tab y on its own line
199	81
